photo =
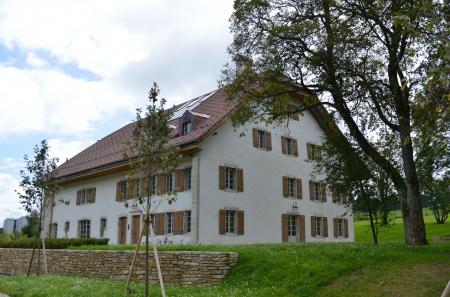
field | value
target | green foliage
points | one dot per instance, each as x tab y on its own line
54	243
266	270
31	229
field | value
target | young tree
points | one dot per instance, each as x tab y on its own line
37	190
150	152
32	226
360	57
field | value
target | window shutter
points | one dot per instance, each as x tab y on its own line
240	222
178	222
311	190
323	192
346	228
222	177
269	141
240	179
313	226
295	147
284	227
159	228
325	227
309	149
93	194
299	189
161	184
285	186
335	227
130	187
301	219
334	196
222	221
319	152
179	180
283	145
117	191
78	198
255	137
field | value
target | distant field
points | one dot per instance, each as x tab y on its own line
394	232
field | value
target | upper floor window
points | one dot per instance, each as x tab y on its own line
153	185
262	139
85	196
231	178
292	187
169	223
188	177
293	113
314	152
339	197
186	128
169	182
317	191
289	146
84	229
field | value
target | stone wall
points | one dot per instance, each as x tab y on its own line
183	268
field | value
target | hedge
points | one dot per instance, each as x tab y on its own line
53	243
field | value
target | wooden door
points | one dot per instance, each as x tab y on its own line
135	228
122	230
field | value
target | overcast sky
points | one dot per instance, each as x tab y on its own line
73	71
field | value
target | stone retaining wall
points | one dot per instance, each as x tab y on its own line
183	268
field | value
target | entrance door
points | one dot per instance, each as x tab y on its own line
122	230
135	229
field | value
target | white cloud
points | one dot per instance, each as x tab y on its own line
66	149
35	61
9	202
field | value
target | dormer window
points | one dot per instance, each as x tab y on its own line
186	128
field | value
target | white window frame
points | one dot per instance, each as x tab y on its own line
230	178
292	193
230	221
340	227
66	228
262	139
54	230
153	184
85	228
319	226
289	146
188	221
188	178
169	182
186	127
293	226
168	223
317	192
103	227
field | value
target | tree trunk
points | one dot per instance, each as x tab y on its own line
373	228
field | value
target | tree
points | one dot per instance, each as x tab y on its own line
150	152
359	57
37	190
32	226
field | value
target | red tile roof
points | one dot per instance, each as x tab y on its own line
110	149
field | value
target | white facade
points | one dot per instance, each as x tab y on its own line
261	200
14	225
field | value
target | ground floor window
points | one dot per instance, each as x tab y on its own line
169	223
84	227
102	227
292	228
340	227
54	230
66	228
319	226
187	216
230	221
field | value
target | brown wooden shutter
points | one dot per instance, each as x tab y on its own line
313	226
222	221
255	137
319	152
309	150
178	222
222	177
323	192
179	180
241	222
159	228
78	197
294	141
284	227
334	196
325	227
311	190
161	184
93	194
346	228
130	186
301	220
299	188
118	191
240	179
269	141
283	145
285	186
335	227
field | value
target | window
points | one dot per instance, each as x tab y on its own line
186	128
319	226
289	146
153	185
169	182
188	177
292	187
84	227
54	230
66	228
102	227
293	115
230	178
292	226
262	139
121	190
187	217
169	223
85	196
316	192
340	227
230	221
314	152
136	188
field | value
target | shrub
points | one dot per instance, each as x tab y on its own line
53	243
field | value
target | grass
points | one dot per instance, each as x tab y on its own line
394	231
341	269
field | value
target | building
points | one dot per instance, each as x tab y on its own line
233	189
14	225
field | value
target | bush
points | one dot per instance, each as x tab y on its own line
52	243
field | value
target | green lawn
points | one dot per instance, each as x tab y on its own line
394	231
359	269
